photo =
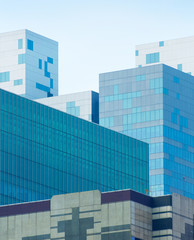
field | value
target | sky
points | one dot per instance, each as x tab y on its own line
98	36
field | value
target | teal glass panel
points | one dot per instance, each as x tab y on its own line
4	77
161	44
20	43
152	58
54	145
180	67
21	58
140	77
18	82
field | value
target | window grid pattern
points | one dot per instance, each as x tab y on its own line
149	118
46	152
4	77
152	58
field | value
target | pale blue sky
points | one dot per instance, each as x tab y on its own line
98	36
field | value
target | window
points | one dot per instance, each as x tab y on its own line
176	79
174	118
20	43
165	91
30	45
161	44
136	53
50	60
180	67
42	87
4	77
152	58
18	82
51	83
116	89
140	77
21	58
40	63
126	103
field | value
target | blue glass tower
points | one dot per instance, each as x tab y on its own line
155	104
44	152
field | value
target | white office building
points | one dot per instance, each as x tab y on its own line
28	64
177	53
82	104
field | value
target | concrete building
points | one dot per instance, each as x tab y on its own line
177	53
155	104
45	152
83	104
28	64
94	215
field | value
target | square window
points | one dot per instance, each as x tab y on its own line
50	60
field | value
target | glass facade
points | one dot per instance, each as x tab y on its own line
146	107
44	152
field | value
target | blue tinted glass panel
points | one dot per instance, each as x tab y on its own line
42	87
161	44
21	58
18	82
136	53
140	77
180	67
52	152
165	91
176	79
30	44
40	63
49	94
51	83
4	77
116	89
152	58
20	43
50	60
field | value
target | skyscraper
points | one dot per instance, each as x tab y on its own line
177	53
28	64
44	151
155	104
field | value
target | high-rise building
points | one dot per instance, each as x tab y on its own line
83	104
155	104
28	64
44	152
119	215
177	53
